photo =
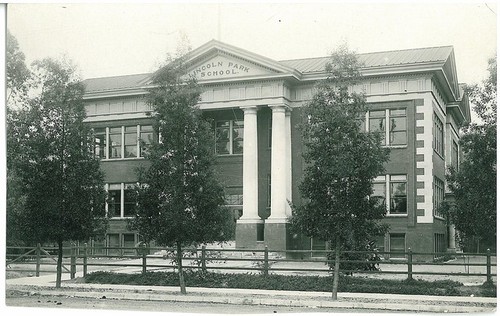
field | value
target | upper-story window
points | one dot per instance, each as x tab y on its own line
438	136
100	142
229	137
391	124
145	139
130	141
115	142
397	127
438	196
122	141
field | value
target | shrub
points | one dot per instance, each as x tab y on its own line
195	278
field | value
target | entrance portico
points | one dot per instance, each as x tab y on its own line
275	225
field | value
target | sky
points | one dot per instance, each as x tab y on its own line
117	38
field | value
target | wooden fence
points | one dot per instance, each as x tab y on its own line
265	261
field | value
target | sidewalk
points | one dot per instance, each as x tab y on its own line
45	285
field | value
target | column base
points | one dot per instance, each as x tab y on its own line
249	233
451	250
276	234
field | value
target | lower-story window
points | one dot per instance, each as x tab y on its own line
318	244
114	244
128	243
397	245
439	244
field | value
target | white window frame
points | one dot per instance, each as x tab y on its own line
122	199
231	137
438	135
138	143
387	131
386	179
438	193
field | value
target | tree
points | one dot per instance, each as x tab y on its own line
179	197
341	162
474	183
17	73
18	83
50	151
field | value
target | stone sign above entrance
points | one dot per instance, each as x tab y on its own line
221	67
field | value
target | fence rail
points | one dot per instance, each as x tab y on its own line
265	261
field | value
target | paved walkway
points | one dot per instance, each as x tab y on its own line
45	285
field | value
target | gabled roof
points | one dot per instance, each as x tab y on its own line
430	59
114	83
378	59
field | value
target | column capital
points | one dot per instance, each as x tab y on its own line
249	109
280	107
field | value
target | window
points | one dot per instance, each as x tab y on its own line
318	245
391	124
397	127
129	243
121	200
146	139
115	142
122	141
398	194
397	245
128	200
377	123
113	244
454	155
438	136
229	137
100	143
379	191
438	196
114	200
130	141
234	199
439	244
391	191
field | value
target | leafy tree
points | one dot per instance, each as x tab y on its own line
342	160
179	196
474	184
50	151
18	83
17	73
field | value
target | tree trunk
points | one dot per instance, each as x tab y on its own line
59	263
182	283
336	269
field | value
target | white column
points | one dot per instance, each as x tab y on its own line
250	167
278	166
288	150
451	237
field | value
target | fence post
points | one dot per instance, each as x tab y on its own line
266	261
203	256
144	256
37	273
73	261
410	262
84	259
488	265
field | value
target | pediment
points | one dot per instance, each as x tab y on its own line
219	61
223	66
